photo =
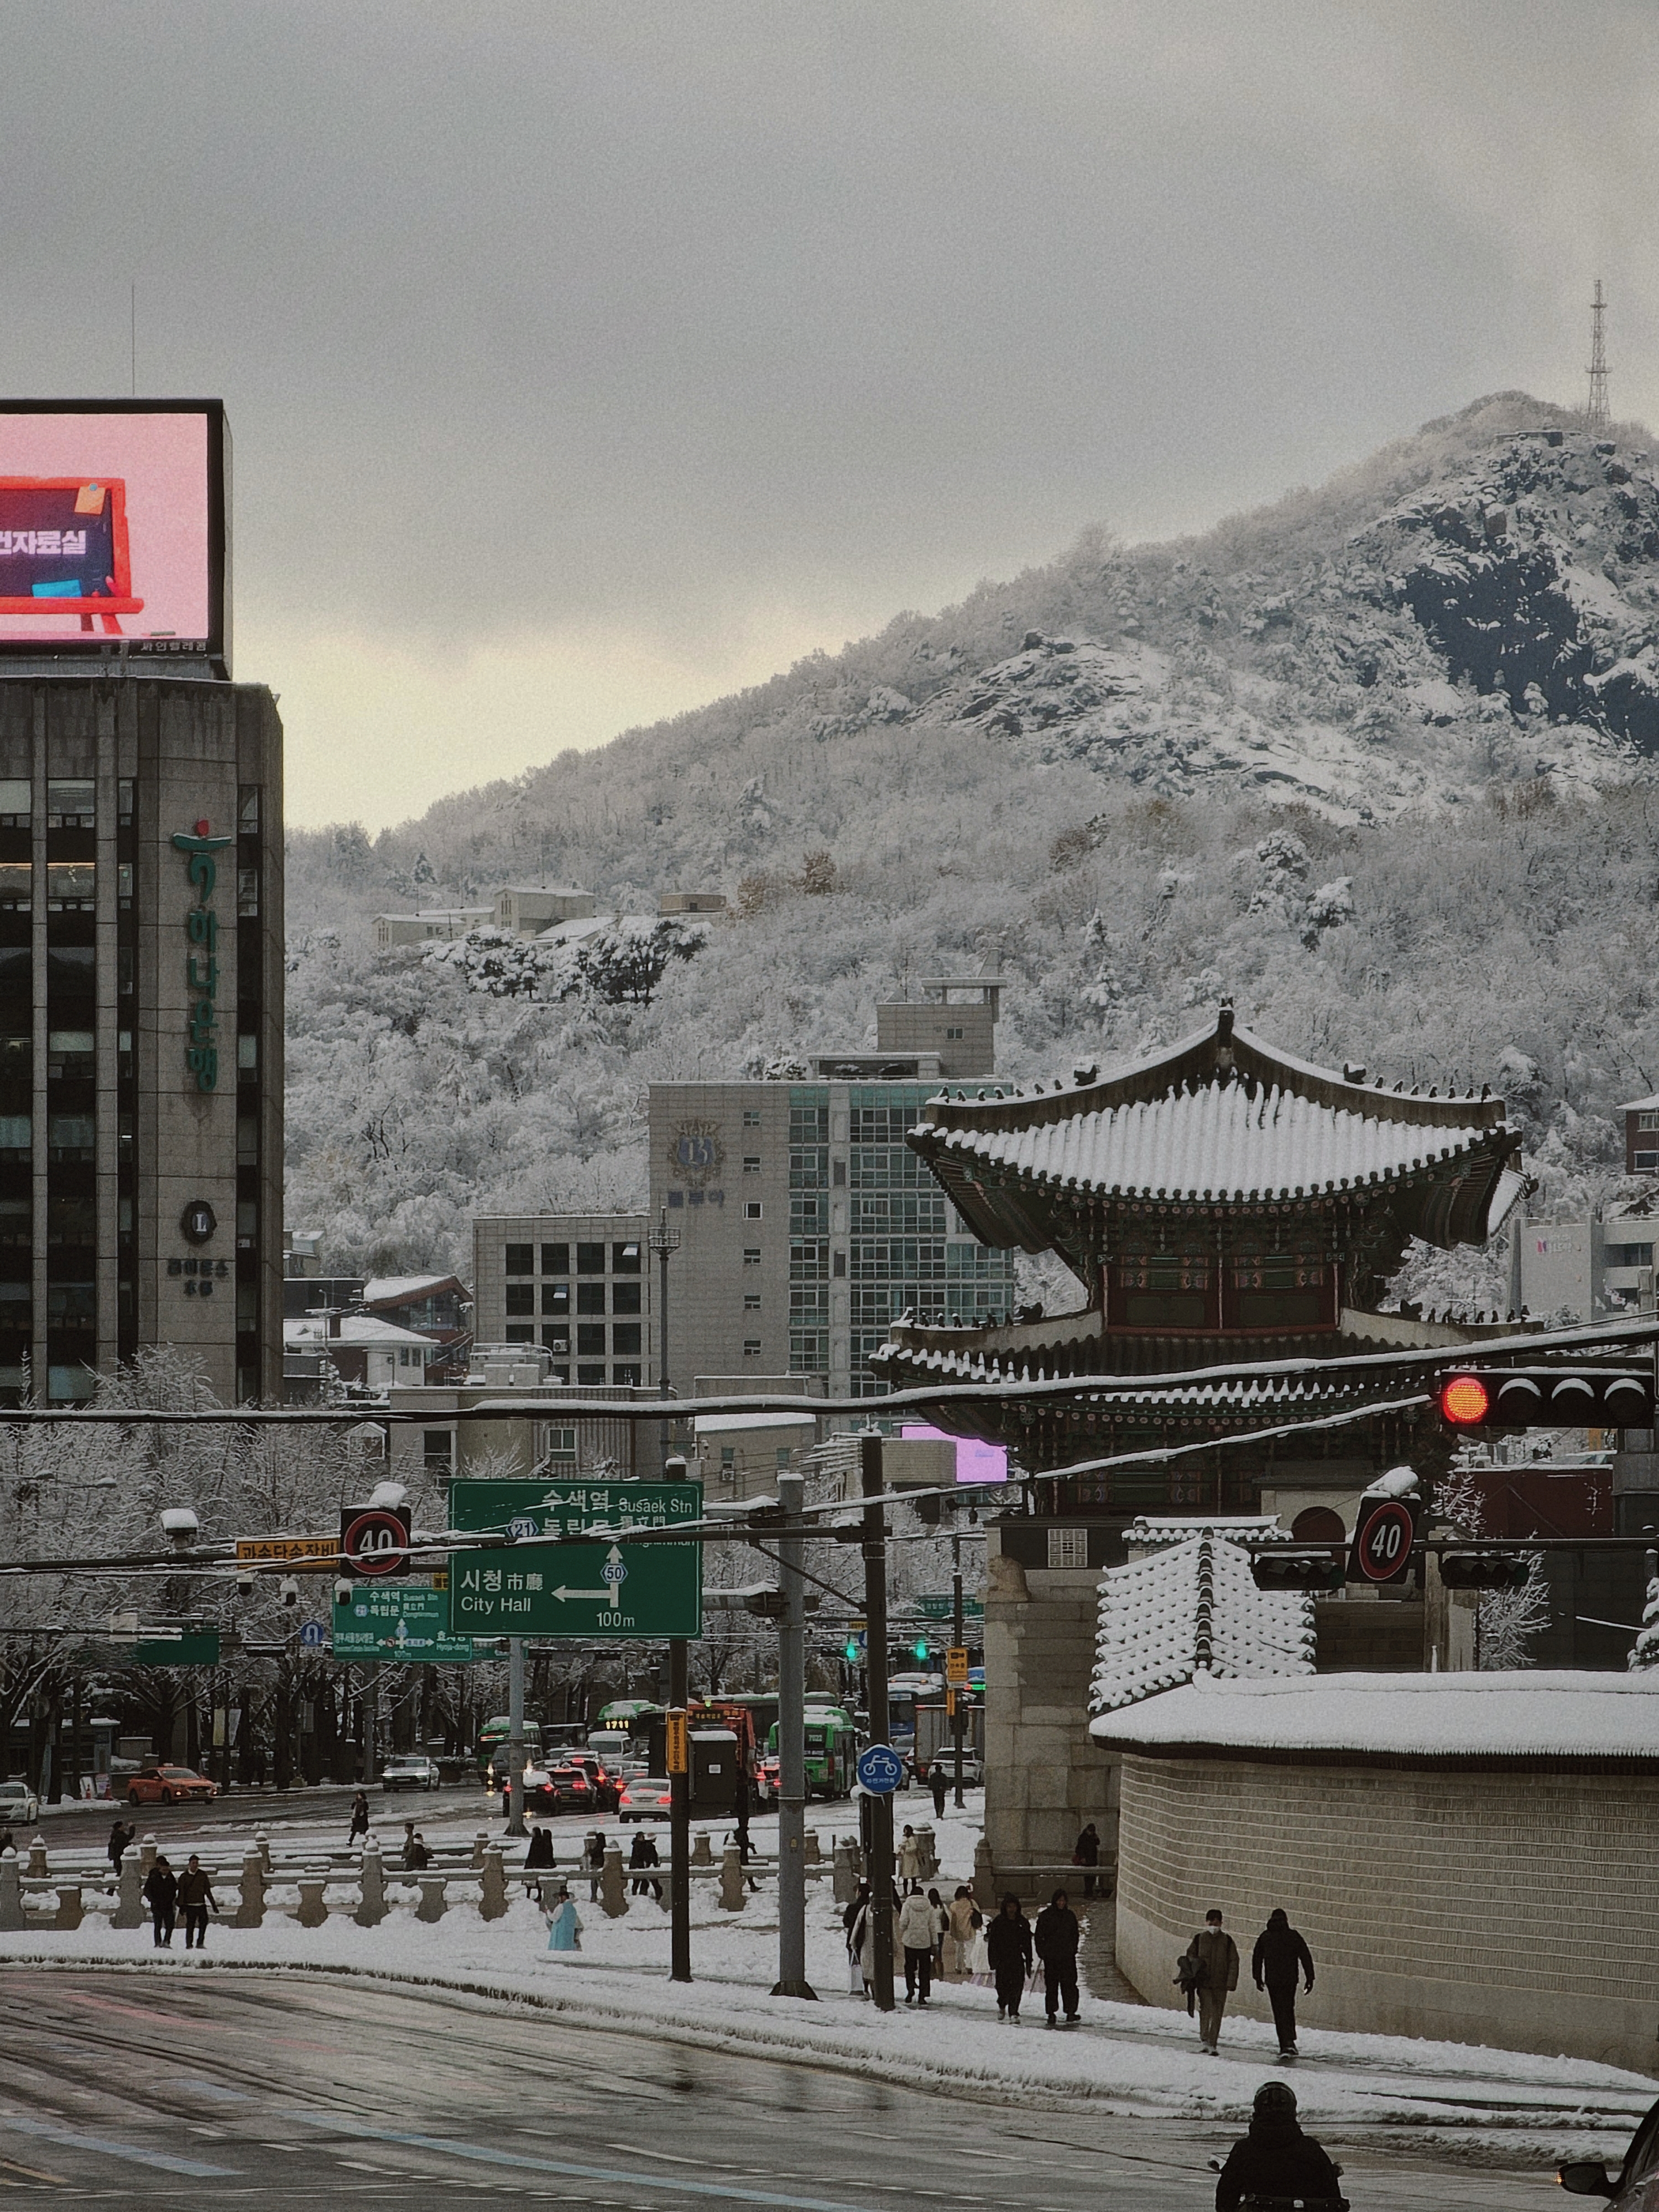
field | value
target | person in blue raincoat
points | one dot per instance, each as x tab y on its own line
564	1928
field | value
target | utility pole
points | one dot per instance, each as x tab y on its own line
1599	413
515	1734
957	1638
792	1747
664	1242
679	1809
881	1806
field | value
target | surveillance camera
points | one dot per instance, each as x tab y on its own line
245	1585
179	1522
342	1591
288	1591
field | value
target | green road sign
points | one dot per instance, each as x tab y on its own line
195	1648
397	1621
591	1591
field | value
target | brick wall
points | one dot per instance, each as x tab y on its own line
1517	1909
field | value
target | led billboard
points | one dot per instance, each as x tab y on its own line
112	529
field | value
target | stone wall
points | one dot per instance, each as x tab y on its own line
1473	1905
1044	1776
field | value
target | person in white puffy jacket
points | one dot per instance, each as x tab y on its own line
918	1927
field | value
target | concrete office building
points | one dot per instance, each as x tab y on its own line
808	1226
141	1028
580	1286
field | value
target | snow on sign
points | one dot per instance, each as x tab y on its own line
1383	1538
374	1540
607	1588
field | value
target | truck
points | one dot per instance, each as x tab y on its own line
934	1739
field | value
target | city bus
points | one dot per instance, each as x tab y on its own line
832	1751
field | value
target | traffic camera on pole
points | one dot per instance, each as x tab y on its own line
1546	1397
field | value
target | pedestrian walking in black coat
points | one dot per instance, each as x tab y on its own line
1008	1948
540	1853
936	1783
645	1854
162	1895
120	1840
1055	1937
359	1818
195	1894
1085	1852
1276	2159
1280	1956
595	1857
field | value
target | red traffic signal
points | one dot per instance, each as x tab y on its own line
1547	1397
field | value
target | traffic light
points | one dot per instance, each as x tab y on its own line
1298	1570
919	1650
850	1650
1547	1397
1483	1570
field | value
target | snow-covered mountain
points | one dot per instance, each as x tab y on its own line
1378	759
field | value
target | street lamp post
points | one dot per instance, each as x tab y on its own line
665	1241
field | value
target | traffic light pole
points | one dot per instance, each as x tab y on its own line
679	1825
515	1734
791	1748
955	1694
881	1806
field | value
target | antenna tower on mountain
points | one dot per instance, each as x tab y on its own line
1598	414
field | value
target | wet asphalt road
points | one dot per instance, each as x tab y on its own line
168	2091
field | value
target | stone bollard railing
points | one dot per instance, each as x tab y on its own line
262	1844
250	1906
733	1894
37	1865
700	1853
812	1850
844	1877
11	1891
129	1893
313	1906
613	1892
985	1879
492	1900
371	1907
147	1851
71	1912
926	1850
480	1845
431	1906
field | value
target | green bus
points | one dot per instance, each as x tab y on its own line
832	1751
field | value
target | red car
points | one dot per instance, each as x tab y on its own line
170	1785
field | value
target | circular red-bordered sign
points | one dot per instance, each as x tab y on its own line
375	1540
1383	1539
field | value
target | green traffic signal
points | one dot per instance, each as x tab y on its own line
920	1647
851	1649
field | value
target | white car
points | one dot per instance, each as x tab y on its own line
18	1802
408	1770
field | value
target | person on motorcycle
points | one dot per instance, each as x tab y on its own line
1276	2159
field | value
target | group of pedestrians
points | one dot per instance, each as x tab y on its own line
168	1895
1209	1972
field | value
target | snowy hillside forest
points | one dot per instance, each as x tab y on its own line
1377	763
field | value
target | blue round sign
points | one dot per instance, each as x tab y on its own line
880	1770
313	1636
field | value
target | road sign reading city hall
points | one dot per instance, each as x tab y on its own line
605	1588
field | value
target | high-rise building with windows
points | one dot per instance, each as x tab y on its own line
140	1027
579	1286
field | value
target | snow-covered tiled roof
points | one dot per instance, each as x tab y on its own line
404	1289
1432	1717
1193	1606
1204	1141
1151	1529
355	1329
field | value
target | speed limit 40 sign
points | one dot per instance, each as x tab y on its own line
375	1540
1384	1537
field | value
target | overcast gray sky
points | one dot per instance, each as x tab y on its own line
586	360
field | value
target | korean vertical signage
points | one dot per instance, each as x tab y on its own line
202	955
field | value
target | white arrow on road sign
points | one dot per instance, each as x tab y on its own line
606	1596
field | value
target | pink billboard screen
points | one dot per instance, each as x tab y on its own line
975	1462
112	529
